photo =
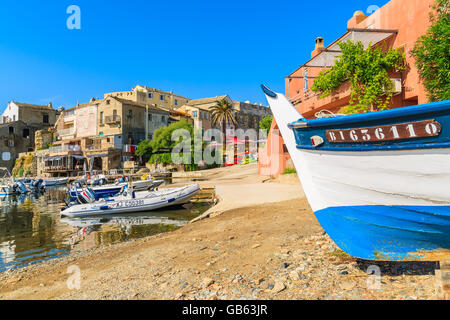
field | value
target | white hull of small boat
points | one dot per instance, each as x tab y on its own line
143	201
55	182
7	190
142	185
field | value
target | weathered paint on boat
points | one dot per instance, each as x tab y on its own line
378	200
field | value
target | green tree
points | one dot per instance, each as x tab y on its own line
144	149
162	139
432	53
368	72
265	124
222	113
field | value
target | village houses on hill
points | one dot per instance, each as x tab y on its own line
103	134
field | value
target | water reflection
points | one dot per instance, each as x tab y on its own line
31	229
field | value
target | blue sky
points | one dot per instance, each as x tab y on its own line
195	48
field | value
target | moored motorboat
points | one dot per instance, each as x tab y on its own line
130	202
377	182
55	182
110	190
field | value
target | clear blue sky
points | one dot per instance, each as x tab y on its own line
195	48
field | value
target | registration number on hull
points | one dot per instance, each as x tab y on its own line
128	203
400	131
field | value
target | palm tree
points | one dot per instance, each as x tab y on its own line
222	113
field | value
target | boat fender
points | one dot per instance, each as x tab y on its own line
104	207
171	200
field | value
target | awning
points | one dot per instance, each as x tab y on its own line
327	57
98	155
54	158
78	157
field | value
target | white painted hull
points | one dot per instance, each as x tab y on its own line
411	178
383	201
55	182
144	201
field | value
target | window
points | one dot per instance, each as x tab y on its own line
150	136
130	114
114	113
176	102
45	118
163	118
149	117
26	133
194	114
150	95
161	97
108	102
11	130
101	117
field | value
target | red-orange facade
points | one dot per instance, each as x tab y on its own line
396	25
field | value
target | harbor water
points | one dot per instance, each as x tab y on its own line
32	230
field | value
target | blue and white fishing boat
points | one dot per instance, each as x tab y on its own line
377	182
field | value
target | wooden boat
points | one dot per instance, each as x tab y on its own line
130	202
377	182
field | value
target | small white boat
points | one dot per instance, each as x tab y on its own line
130	202
55	182
111	190
7	186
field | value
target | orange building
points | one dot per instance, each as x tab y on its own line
398	25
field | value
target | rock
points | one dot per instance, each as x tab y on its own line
293	275
206	282
256	246
278	287
285	265
346	285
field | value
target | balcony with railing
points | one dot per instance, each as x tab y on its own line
66	132
65	148
112	119
69	116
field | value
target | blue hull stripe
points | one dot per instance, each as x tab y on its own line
445	145
424	110
388	232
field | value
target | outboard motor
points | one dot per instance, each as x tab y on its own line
86	196
21	187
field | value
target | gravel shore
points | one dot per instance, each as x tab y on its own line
276	250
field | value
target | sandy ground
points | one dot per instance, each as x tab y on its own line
266	244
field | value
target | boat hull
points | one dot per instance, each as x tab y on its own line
382	200
120	205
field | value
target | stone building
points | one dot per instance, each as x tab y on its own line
102	134
15	137
152	96
31	114
18	126
247	115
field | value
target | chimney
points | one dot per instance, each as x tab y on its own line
357	18
320	46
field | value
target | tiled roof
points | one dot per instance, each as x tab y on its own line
206	100
28	105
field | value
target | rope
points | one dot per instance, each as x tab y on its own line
327	114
